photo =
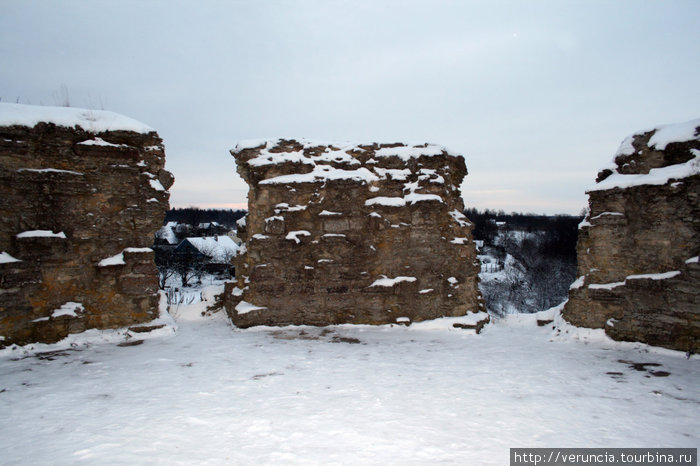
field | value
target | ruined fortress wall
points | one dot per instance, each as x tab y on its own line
368	234
638	271
82	194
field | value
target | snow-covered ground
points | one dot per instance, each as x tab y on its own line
201	392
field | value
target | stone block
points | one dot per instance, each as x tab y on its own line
82	197
637	242
363	215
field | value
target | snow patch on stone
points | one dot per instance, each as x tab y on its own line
138	250
412	198
655	276
578	283
68	309
41	234
5	258
656	176
245	307
101	142
460	218
386	201
155	184
605	286
117	259
387	282
405	153
294	235
49	170
604	214
323	173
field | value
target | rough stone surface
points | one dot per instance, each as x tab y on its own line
638	270
78	213
368	234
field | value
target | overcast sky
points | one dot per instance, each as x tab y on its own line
536	95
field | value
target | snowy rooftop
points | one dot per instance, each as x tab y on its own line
167	234
93	121
219	248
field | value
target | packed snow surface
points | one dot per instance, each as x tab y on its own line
424	394
93	121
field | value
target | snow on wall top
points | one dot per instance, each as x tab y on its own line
402	150
656	176
92	121
323	159
662	136
680	132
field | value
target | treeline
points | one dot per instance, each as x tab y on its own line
560	232
194	216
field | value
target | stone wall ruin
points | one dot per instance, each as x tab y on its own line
341	233
639	276
83	193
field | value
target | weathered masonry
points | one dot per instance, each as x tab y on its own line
82	194
639	276
341	233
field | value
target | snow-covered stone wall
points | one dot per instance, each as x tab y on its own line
343	233
82	192
638	247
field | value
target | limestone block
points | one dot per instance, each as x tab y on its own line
638	245
84	192
367	229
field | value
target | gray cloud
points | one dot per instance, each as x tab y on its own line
536	95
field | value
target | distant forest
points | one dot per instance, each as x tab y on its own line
194	216
561	231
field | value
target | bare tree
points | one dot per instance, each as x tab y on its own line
188	268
